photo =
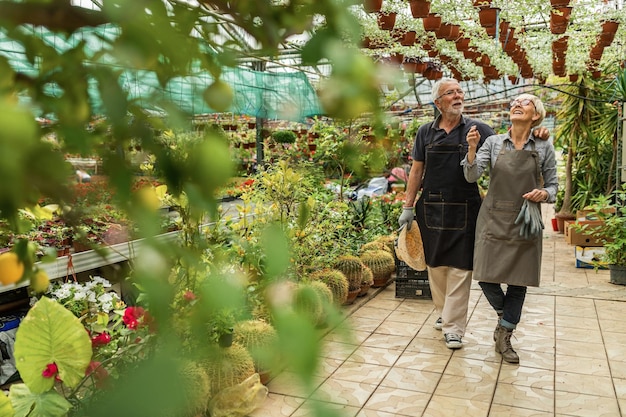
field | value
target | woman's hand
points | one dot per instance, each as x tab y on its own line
537	196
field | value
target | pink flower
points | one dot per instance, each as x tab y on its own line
101	339
189	296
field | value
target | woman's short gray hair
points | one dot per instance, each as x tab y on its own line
539	109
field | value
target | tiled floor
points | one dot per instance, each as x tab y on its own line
571	343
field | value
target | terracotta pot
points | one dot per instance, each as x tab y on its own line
386	21
409	67
555	225
559	3
560	45
462	44
419	8
432	22
372	6
559	18
408	39
596	52
488	16
364	290
352	294
573	78
396	58
560	221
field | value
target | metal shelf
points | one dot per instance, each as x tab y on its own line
89	260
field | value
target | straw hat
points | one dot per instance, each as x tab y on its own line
410	249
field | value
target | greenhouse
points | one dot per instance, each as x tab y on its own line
293	208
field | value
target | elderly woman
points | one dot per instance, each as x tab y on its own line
522	173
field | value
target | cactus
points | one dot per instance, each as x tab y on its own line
389	241
381	263
352	268
227	367
307	301
257	336
197	388
336	281
368	276
373	245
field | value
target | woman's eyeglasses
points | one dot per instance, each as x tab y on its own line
451	92
524	102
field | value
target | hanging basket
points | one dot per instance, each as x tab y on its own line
386	21
419	8
432	22
372	6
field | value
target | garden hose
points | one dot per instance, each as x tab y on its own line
530	217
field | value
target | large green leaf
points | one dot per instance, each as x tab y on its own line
27	404
6	410
51	334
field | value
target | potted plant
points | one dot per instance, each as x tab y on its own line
612	231
222	327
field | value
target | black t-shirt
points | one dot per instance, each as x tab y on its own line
430	133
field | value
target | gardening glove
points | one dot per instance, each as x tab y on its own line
530	218
407	217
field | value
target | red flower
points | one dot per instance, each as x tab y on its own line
132	315
101	339
189	296
99	373
51	370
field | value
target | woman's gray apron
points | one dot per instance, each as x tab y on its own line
502	255
447	208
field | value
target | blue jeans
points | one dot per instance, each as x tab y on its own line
508	304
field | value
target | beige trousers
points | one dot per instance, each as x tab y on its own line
450	288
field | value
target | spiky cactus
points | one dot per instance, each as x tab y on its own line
381	263
352	268
336	282
366	281
373	245
389	241
227	367
306	300
257	336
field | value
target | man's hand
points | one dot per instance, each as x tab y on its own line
542	133
407	217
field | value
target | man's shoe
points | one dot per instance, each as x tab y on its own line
439	324
503	345
453	341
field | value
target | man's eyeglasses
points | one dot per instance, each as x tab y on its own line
524	102
451	92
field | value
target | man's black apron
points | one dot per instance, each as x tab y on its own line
447	208
502	255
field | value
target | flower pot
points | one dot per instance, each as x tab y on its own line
352	294
419	8
386	21
560	218
225	340
432	22
617	274
408	39
371	6
364	290
488	16
555	225
559	18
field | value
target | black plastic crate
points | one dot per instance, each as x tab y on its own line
411	283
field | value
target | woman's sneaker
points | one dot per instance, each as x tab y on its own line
453	341
439	324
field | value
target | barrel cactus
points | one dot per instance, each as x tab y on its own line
307	301
381	263
228	367
257	336
352	268
389	241
366	281
336	282
373	245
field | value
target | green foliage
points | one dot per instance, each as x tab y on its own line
284	136
588	122
613	230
